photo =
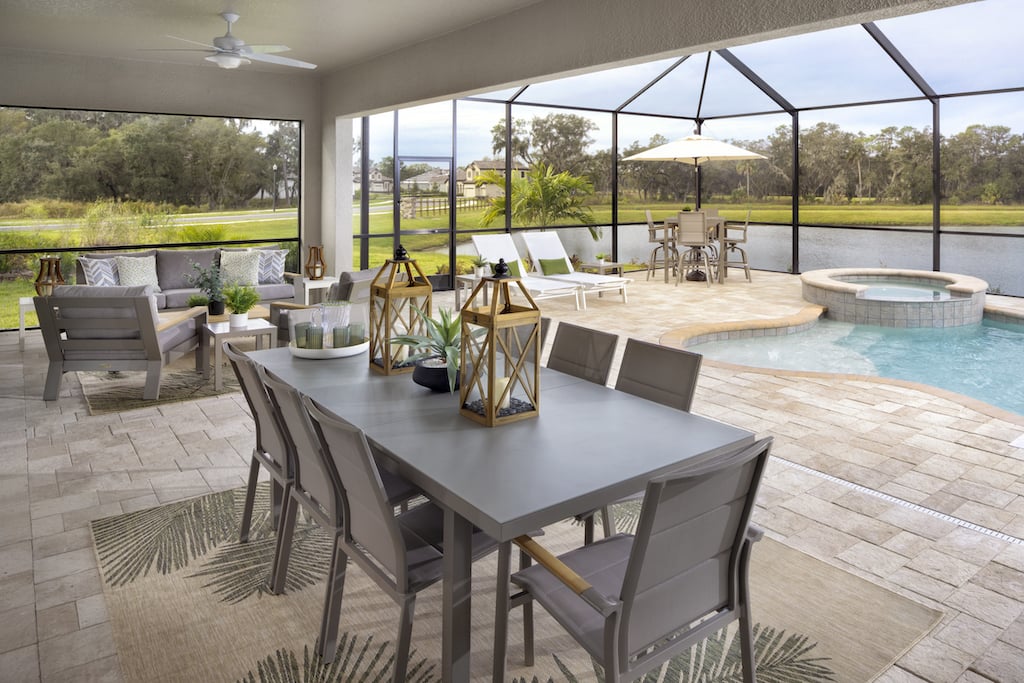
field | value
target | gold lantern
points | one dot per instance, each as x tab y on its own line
49	275
316	266
400	295
499	352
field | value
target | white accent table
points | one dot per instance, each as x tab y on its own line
303	286
254	327
25	305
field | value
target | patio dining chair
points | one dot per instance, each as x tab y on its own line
635	601
735	256
270	451
547	251
694	244
582	352
403	554
662	374
664	254
313	485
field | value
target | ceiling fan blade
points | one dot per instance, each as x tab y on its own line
172	49
283	61
193	42
264	48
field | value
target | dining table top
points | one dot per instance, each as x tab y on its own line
589	445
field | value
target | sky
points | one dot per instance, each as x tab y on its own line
956	49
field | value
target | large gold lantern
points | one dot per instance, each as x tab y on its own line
398	295
499	352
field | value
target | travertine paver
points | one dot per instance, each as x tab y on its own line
61	468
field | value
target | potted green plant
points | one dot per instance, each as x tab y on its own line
208	281
437	356
240	299
601	256
197	300
479	266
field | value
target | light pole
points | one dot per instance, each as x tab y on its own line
275	187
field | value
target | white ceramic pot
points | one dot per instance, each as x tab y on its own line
237	319
478	271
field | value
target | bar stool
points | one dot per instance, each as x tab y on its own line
692	232
663	237
736	256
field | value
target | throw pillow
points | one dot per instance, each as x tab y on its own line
513	268
101	272
554	266
240	267
272	266
137	270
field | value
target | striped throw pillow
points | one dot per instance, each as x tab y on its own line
272	266
101	272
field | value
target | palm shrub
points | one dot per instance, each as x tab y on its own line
442	340
542	198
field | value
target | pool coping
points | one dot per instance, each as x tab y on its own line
962	285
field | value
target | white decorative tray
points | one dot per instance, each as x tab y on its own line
339	352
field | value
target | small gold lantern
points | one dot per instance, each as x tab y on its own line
398	294
499	352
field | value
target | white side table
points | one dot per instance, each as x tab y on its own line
303	286
254	327
25	305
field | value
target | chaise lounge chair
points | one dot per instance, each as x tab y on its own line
548	253
494	247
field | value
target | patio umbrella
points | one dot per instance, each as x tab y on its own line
695	150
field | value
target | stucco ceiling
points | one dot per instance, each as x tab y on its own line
330	33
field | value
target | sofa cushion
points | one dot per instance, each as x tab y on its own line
172	265
79	291
240	267
353	285
101	272
282	291
140	270
178	298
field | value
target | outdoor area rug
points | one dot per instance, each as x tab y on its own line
187	602
112	392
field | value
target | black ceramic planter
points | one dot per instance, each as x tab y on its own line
215	308
432	377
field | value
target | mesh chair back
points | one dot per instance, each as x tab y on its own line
370	523
659	373
582	352
269	439
685	561
311	473
691	230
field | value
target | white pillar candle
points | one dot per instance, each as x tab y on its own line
499	388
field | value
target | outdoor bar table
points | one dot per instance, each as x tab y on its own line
589	446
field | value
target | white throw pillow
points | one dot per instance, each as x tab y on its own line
272	266
101	272
137	270
240	267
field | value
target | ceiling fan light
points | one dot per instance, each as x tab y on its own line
226	61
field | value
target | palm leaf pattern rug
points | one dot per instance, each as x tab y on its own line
193	544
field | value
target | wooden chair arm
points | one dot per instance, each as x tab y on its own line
169	320
292	276
289	305
566	575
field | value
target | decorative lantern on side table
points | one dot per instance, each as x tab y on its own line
500	352
49	275
400	295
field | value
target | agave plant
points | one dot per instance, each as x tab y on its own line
442	340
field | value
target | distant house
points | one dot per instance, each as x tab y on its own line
433	181
475	168
378	182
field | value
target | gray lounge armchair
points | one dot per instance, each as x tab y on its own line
634	602
351	286
113	328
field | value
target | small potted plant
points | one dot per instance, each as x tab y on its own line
437	359
600	256
209	282
240	299
479	266
197	300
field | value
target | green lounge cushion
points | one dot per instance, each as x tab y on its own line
513	268
554	266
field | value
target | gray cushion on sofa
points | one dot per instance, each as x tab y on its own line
173	265
353	285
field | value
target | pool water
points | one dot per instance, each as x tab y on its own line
983	361
906	293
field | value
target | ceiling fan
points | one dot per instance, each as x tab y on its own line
230	52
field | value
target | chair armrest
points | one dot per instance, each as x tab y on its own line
169	320
292	276
288	304
566	575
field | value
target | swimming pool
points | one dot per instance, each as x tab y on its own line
984	361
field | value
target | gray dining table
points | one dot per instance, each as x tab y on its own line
590	446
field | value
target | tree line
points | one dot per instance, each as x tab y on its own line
983	164
213	163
